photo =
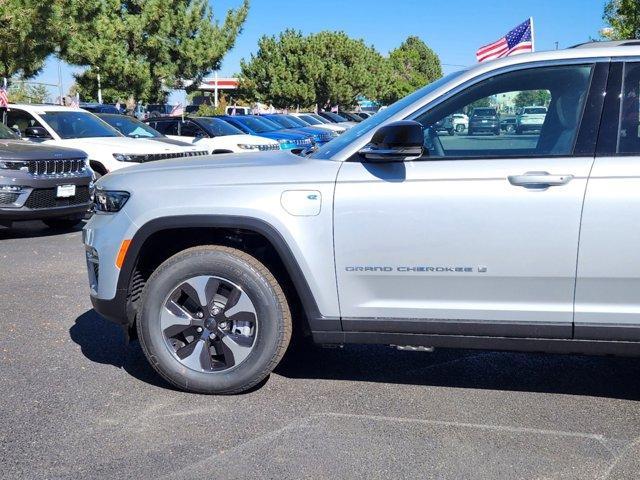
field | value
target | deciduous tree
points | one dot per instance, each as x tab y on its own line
623	19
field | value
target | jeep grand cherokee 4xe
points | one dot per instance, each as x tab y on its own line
391	233
40	182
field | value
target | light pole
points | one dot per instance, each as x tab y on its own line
99	87
60	90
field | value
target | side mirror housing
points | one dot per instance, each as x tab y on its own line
36	132
397	142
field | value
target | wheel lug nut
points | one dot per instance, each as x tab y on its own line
212	336
223	325
199	315
199	329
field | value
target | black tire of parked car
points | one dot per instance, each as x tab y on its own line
497	131
510	129
470	132
64	223
272	313
459	128
451	132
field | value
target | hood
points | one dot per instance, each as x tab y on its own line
244	138
285	135
21	150
124	145
222	169
170	141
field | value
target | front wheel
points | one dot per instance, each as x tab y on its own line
213	320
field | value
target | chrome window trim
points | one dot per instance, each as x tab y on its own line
466	80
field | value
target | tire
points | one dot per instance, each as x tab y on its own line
451	132
510	129
217	372
470	132
459	128
64	223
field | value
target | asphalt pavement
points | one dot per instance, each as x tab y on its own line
76	403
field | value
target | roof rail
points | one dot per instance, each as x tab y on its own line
608	43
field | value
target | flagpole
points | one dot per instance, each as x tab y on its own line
533	35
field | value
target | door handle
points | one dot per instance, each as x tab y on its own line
539	180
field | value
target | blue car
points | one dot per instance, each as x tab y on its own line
320	135
254	125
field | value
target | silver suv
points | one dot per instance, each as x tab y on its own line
391	233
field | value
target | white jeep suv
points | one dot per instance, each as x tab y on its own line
106	148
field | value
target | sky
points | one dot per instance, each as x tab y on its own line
453	29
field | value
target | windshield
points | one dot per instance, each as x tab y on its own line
257	125
283	121
72	124
6	133
536	110
131	127
297	121
334	146
484	112
310	120
335	117
217	127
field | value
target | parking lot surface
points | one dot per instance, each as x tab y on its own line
75	402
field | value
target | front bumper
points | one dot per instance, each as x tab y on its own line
38	198
102	237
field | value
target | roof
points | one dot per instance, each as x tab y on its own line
35	107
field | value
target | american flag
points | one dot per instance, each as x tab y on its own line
177	110
4	97
518	40
75	101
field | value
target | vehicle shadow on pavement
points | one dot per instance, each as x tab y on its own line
34	229
611	377
104	342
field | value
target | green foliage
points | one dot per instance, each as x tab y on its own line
143	48
20	92
527	98
410	66
28	34
327	68
623	18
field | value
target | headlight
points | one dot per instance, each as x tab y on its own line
248	146
109	201
121	157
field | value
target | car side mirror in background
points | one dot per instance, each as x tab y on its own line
397	142
36	132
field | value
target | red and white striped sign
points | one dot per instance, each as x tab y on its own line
4	97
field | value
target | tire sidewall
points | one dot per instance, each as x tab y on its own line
269	315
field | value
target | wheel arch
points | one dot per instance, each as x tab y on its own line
249	234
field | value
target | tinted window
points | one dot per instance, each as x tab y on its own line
535	111
256	124
217	128
18	120
130	127
282	121
559	91
629	128
311	120
6	133
190	129
166	127
72	124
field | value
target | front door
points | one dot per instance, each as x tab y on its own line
479	236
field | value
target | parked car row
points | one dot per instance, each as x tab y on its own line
51	154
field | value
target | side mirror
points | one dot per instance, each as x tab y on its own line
36	132
397	142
